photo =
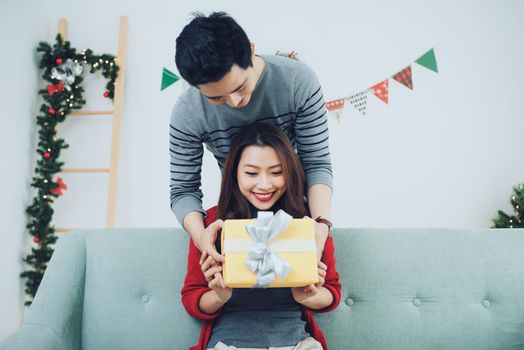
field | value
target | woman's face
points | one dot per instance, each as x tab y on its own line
260	177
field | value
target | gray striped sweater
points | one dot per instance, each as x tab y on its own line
287	94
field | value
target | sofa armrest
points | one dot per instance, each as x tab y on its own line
36	337
55	314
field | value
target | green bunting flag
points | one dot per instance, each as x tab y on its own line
168	78
428	60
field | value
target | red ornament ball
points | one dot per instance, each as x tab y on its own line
58	61
36	239
47	155
106	94
51	111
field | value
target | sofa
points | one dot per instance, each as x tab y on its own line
402	289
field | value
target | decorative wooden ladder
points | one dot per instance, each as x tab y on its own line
116	113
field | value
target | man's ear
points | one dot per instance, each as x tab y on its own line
253	53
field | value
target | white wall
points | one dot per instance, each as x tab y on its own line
443	155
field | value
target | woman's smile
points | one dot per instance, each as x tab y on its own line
261	196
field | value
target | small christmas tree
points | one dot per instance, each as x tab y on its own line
504	220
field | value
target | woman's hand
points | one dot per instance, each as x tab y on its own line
212	271
302	294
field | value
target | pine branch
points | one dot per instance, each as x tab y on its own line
56	105
503	220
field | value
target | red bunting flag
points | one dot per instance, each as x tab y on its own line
335	104
381	90
404	77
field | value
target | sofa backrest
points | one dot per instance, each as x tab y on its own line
132	290
402	289
428	289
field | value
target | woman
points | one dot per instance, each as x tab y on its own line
262	172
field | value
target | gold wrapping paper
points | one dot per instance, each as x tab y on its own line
303	264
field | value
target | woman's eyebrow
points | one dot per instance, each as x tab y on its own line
271	167
252	166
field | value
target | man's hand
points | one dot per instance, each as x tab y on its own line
206	241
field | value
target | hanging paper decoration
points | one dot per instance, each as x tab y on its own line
381	90
404	77
291	54
168	78
359	100
428	60
334	105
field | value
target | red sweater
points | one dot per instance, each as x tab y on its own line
195	286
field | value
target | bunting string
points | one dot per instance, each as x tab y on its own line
381	90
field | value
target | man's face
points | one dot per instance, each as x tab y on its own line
234	89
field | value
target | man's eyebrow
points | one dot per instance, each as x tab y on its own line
232	92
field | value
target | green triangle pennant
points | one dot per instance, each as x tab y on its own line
168	79
428	60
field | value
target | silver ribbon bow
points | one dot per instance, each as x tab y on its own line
262	260
67	71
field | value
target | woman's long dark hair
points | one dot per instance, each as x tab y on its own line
232	204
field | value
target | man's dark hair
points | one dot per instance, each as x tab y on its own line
208	47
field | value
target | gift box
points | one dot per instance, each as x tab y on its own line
270	251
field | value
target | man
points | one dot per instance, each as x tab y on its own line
231	87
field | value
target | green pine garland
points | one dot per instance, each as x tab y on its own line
503	220
60	98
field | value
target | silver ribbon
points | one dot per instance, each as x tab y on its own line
67	71
261	259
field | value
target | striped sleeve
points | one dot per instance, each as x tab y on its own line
311	129
186	153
